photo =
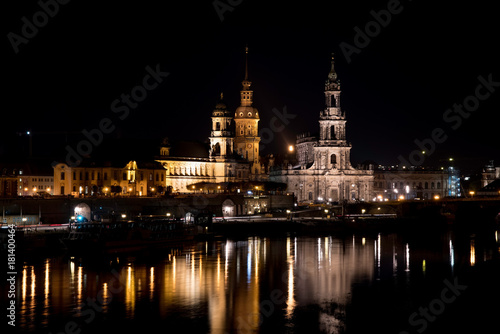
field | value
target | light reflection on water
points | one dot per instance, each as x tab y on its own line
234	285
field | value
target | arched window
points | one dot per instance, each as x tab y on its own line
332	132
333	159
310	196
217	126
432	185
426	185
439	185
333	102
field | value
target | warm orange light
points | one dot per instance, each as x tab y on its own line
290	148
436	197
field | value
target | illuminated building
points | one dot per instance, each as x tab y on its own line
132	179
233	155
398	184
490	173
246	119
324	172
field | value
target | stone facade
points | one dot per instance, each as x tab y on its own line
410	184
324	172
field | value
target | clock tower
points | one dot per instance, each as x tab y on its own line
246	121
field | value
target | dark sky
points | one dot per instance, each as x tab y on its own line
394	90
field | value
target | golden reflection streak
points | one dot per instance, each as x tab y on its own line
257	254
46	289
79	285
130	293
151	282
32	307
218	269
472	253
23	289
174	262
33	282
290	303
105	297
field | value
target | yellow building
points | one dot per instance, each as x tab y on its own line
133	179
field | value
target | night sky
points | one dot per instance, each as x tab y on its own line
395	89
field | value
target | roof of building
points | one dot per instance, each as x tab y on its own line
491	187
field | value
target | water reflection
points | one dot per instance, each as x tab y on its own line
234	285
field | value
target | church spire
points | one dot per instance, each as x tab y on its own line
246	83
332	75
332	83
246	63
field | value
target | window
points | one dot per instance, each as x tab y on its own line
81	176
332	132
439	185
62	188
98	176
150	176
105	175
92	175
310	196
217	126
62	178
333	159
142	176
432	185
426	185
162	175
86	176
157	177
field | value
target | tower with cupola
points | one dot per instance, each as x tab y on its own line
221	136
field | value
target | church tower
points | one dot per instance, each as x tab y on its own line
221	136
246	120
333	151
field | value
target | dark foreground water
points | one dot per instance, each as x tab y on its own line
440	282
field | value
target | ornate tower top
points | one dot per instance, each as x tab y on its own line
246	83
332	83
245	110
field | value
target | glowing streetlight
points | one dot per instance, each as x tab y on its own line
436	197
290	148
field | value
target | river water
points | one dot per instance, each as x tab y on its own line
432	282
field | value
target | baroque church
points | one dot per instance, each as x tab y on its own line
233	155
324	172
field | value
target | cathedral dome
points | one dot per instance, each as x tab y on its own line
221	109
